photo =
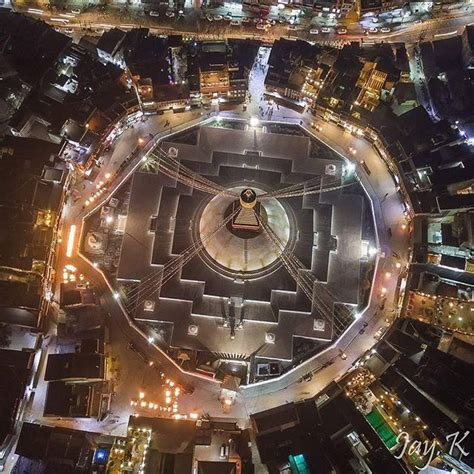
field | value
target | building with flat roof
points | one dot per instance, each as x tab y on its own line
15	372
75	366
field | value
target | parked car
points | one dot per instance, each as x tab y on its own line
364	165
154	13
228	16
218	17
341	31
209	17
261	26
170	14
246	19
373	30
325	29
235	23
385	29
313	31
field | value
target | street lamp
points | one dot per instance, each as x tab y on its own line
254	122
350	166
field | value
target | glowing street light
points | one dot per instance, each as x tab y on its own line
350	166
254	121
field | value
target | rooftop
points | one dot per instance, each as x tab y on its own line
74	366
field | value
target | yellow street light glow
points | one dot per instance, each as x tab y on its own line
193	416
70	240
398	265
141	395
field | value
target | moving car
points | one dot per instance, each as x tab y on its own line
385	29
228	16
373	30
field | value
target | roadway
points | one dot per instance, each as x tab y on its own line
194	24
